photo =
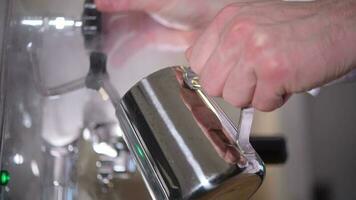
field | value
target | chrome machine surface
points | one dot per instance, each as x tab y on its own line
60	141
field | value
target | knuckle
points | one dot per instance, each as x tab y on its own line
239	33
268	68
273	69
261	39
242	25
267	58
261	44
224	15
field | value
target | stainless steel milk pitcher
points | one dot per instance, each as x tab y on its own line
184	144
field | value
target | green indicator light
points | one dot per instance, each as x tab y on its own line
139	151
4	177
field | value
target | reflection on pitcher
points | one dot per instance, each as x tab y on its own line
209	124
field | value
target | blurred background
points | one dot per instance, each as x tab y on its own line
49	127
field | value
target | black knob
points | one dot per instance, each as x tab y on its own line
97	70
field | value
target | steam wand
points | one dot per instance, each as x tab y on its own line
98	79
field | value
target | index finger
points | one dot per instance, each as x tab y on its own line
201	50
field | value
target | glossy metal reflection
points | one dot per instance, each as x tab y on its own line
59	179
182	146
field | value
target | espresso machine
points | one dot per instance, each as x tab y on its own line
74	126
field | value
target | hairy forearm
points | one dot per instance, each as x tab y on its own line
334	24
342	19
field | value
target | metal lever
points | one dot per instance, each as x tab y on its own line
245	125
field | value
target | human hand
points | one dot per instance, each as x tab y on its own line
126	33
179	14
260	53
